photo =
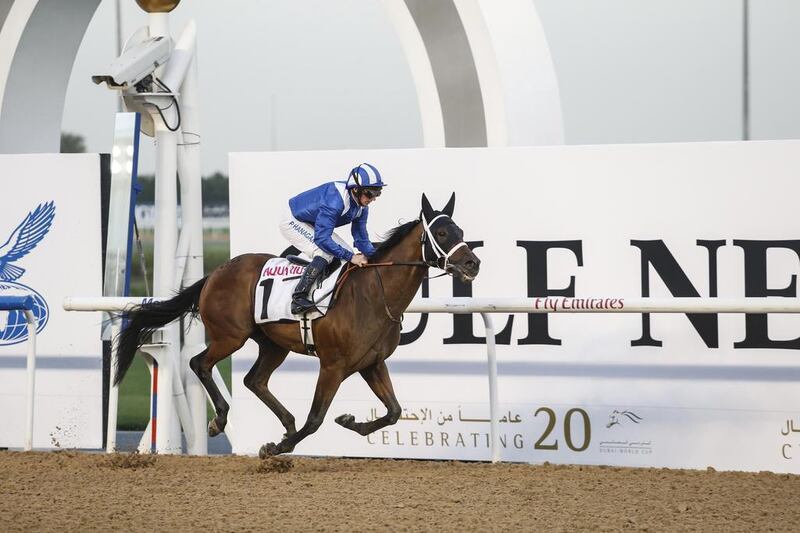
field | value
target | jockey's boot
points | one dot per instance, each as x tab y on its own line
300	298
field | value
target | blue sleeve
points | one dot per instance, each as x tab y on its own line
360	235
324	225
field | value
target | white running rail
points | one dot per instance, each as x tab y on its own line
486	306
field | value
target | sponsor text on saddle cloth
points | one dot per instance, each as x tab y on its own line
273	297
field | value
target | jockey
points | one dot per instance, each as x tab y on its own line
315	213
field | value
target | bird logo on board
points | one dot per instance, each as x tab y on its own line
25	237
617	418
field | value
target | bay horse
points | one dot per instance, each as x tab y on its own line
358	334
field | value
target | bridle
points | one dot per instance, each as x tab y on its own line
428	241
440	259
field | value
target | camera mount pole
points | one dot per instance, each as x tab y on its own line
173	109
166	341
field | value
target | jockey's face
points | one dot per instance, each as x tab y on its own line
367	196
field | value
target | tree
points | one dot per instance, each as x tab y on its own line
72	143
215	190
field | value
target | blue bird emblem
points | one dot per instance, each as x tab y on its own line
24	239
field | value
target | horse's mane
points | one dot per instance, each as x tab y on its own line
393	236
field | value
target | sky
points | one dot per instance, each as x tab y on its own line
331	74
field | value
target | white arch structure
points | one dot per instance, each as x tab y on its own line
39	40
482	71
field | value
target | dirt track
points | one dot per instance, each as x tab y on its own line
67	491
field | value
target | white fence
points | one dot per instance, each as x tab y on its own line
486	306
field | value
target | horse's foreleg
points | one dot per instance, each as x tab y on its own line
327	384
377	377
270	357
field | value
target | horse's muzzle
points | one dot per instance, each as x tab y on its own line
466	270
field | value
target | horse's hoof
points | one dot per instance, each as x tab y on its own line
268	450
214	428
345	420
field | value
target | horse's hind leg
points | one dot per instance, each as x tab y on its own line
330	377
270	357
377	377
202	364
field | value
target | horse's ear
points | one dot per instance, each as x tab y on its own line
427	210
451	204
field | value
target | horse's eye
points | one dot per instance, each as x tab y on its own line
441	233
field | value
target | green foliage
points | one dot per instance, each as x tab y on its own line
72	143
147	190
215	190
134	397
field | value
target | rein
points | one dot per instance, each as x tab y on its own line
427	240
385	303
351	267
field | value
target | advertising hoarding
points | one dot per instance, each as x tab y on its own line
50	227
692	219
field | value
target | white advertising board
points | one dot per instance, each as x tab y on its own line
51	240
701	219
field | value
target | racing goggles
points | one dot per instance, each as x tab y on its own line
371	192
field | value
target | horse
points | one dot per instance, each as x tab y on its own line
357	334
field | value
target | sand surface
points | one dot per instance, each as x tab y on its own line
70	491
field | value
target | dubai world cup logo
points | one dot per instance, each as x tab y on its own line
24	238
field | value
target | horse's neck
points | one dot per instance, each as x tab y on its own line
401	283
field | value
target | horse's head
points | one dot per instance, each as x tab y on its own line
443	243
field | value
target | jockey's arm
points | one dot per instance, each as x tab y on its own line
360	235
323	229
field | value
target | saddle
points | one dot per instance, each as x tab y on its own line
332	267
273	292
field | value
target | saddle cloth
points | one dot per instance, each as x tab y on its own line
273	297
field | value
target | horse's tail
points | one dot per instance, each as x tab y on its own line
148	317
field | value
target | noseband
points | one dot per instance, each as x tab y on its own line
429	241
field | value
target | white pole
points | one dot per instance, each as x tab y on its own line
113	391
491	355
166	237
182	407
168	431
189	170
31	378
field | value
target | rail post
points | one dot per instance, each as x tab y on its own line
25	304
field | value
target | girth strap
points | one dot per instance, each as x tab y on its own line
307	334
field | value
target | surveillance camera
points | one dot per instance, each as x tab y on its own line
136	63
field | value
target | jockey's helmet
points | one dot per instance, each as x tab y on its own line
365	176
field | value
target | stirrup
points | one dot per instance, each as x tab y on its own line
302	305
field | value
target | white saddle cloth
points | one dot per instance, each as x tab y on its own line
273	297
